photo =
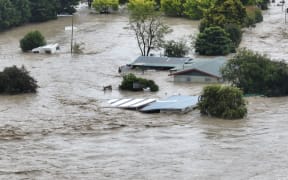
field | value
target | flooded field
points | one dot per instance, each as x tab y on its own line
63	132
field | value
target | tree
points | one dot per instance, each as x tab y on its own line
23	11
222	102
8	15
133	83
213	41
43	10
104	6
147	25
256	74
67	6
15	80
175	49
195	9
32	40
234	32
224	12
173	7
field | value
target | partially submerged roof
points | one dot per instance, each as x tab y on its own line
173	103
210	67
161	62
130	103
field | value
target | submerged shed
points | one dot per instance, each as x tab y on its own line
180	104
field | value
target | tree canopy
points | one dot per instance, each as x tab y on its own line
17	12
147	25
213	41
105	6
257	74
14	80
222	102
224	12
175	49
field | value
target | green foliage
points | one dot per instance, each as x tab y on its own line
224	12
213	41
43	10
175	49
15	80
147	25
141	10
173	7
105	6
195	9
257	74
23	11
222	102
234	32
254	15
32	40
67	6
7	14
133	83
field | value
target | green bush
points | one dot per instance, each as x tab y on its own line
222	102
32	40
172	7
214	41
256	74
175	49
195	9
15	80
254	15
133	83
105	6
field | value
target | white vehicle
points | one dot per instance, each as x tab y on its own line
47	49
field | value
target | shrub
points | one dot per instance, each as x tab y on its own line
15	80
104	6
256	74
222	102
175	49
213	41
133	83
254	15
32	40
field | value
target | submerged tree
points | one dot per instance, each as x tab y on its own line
175	49
222	102
32	40
14	80
147	25
104	6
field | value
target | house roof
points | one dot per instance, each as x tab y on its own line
210	67
167	62
172	103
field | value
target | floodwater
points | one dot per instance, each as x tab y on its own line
63	131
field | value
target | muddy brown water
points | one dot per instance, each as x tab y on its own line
63	132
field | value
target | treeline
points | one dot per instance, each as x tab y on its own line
16	12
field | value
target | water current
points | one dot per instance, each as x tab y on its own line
63	131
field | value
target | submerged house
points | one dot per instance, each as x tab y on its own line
162	63
200	71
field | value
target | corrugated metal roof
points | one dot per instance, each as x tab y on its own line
130	103
154	61
180	103
210	66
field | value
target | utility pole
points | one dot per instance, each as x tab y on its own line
72	31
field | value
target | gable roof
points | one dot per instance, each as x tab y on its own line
154	61
210	67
